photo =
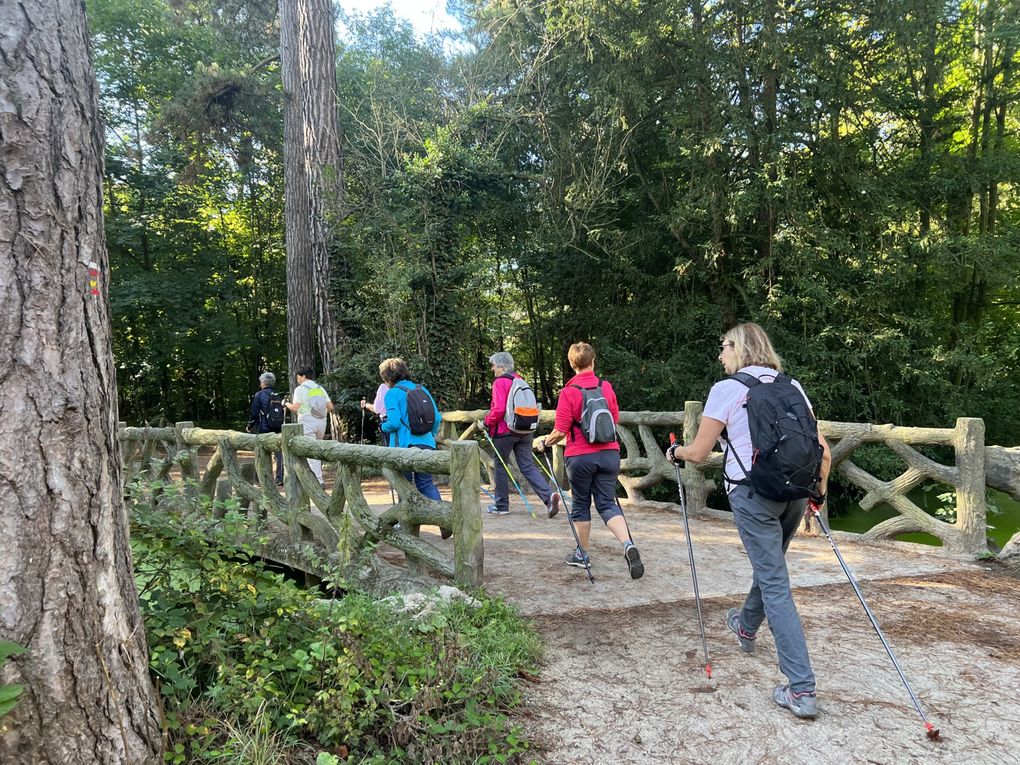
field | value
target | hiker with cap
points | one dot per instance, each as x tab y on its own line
268	415
312	404
586	416
776	463
511	424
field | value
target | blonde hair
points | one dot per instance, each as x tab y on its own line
752	347
393	371
581	356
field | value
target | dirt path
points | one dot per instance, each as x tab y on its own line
623	679
624	682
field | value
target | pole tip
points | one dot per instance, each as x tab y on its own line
931	731
708	671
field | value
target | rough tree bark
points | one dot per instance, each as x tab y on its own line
312	175
66	588
300	315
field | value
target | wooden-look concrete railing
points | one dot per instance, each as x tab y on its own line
643	466
307	512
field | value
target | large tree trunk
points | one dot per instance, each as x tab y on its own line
312	174
300	316
323	165
66	588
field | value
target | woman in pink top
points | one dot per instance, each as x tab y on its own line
593	464
507	441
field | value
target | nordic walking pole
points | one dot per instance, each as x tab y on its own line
384	437
577	540
690	557
507	469
813	510
361	440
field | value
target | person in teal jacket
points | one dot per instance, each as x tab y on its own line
395	374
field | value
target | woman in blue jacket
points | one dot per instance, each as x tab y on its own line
395	374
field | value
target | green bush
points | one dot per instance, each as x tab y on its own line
241	654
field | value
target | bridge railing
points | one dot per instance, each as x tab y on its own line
643	466
309	514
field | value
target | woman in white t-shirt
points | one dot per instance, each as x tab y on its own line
765	526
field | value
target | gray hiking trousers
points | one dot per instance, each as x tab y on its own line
520	445
766	528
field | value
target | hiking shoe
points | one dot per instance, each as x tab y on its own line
804	704
493	510
445	533
745	638
633	558
578	559
554	505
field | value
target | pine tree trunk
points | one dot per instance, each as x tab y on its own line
66	587
312	175
300	316
323	165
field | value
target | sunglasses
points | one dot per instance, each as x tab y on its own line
724	346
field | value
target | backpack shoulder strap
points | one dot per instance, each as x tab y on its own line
750	381
745	378
577	423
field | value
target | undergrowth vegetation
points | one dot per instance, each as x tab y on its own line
253	668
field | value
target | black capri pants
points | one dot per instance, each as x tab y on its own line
594	476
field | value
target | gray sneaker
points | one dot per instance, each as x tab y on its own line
578	559
493	510
746	639
804	704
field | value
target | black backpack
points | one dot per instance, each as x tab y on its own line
274	414
421	413
596	421
786	456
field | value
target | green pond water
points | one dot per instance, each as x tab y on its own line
1001	525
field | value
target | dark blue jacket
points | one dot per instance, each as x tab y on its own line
260	411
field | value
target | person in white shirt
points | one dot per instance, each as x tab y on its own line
765	526
312	404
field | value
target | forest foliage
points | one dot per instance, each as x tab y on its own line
636	174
